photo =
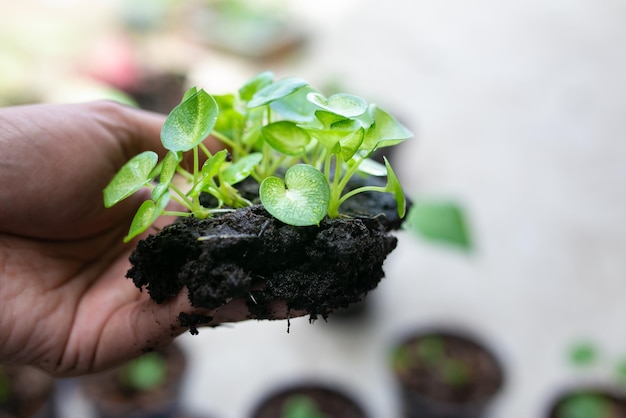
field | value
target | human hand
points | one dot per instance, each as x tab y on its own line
64	303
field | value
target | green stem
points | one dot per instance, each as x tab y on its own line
186	174
183	200
236	147
205	150
175	213
360	190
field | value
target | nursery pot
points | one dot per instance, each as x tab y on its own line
442	374
111	397
588	402
30	393
327	400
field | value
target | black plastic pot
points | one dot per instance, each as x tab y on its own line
328	400
111	399
589	401
30	393
444	374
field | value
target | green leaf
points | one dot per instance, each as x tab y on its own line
346	105
276	91
229	121
286	137
189	93
159	190
303	202
145	372
583	354
295	107
393	186
210	169
131	177
142	220
439	221
241	169
212	166
170	163
372	167
585	405
301	406
328	118
148	212
350	143
261	80
385	131
189	123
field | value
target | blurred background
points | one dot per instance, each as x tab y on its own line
518	110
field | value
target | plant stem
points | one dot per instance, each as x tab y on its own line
228	142
360	190
205	150
183	198
175	213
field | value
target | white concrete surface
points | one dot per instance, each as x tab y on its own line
519	113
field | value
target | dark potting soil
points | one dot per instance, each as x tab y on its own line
110	395
248	254
425	378
330	402
589	401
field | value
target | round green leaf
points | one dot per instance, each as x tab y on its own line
286	137
296	107
301	200
276	91
256	83
190	122
241	169
341	104
131	177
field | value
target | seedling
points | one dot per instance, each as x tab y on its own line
144	373
429	353
301	406
301	147
590	403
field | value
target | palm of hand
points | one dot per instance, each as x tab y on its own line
65	306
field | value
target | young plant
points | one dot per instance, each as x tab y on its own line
144	373
299	146
430	354
590	403
301	406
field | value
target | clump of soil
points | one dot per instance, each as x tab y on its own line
247	253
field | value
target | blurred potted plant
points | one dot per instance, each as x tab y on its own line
146	387
444	374
251	29
309	400
26	392
599	400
